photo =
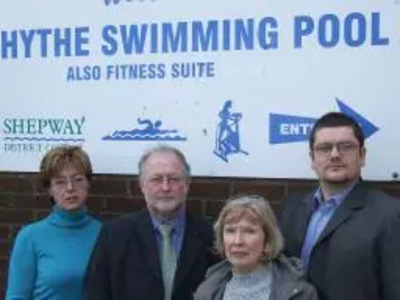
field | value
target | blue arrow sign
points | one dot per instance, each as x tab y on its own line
367	127
289	129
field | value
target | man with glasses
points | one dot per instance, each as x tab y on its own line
347	235
160	253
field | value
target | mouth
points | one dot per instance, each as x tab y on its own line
71	199
238	254
336	167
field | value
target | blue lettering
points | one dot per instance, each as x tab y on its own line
81	39
133	39
111	46
357	39
9	44
154	38
303	26
43	34
325	22
268	38
205	41
244	34
226	27
173	41
376	38
62	45
27	39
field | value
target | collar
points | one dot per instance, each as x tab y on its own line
69	219
334	201
177	223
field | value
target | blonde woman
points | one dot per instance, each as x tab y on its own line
248	237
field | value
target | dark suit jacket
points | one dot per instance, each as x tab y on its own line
357	256
125	263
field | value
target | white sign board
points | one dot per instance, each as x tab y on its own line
236	85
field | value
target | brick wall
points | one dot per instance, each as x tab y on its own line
21	200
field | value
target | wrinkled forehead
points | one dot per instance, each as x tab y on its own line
242	213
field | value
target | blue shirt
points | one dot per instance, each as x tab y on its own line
49	257
323	211
178	230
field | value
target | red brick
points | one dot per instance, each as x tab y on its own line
213	208
104	217
209	189
301	186
6	200
40	201
123	204
15	216
5	231
17	183
5	249
273	191
109	186
134	187
95	204
40	214
195	207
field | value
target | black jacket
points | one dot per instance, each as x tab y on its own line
125	263
357	256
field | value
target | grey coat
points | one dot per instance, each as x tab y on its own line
287	282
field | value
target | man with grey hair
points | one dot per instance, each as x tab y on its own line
161	252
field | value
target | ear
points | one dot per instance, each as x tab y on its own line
188	182
141	185
50	192
363	154
312	157
267	250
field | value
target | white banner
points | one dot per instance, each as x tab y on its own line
236	85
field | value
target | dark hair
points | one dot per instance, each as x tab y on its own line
165	149
336	119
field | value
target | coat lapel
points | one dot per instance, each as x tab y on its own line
354	201
304	215
147	238
191	246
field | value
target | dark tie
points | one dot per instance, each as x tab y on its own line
167	259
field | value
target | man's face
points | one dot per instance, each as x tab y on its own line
337	157
164	184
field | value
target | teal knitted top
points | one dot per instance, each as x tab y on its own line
49	257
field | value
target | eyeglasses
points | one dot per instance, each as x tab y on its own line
170	179
76	182
343	148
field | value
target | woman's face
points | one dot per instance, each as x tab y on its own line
244	245
69	188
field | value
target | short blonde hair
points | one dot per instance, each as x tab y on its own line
56	159
258	211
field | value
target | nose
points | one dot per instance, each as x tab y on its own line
335	152
237	238
165	184
69	185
